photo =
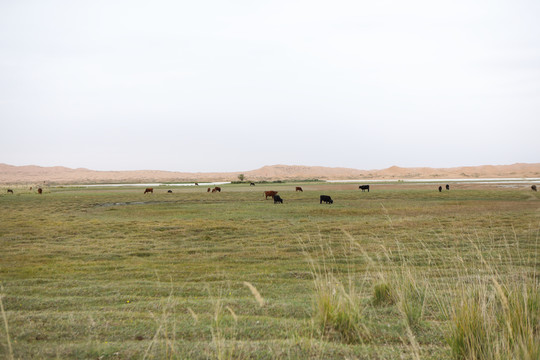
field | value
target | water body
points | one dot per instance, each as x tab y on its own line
461	181
151	184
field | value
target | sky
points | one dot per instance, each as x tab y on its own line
236	85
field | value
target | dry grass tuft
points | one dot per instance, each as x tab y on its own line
255	293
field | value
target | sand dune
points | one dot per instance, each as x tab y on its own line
32	174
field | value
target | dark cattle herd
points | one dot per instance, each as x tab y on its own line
271	193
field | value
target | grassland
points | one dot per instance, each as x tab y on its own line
110	273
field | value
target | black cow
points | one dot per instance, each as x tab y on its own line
9	191
533	188
251	184
278	199
327	199
364	187
447	187
170	191
440	188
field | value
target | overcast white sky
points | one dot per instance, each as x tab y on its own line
236	85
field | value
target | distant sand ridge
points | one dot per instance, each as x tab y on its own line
32	174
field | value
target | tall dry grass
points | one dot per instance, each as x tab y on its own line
6	325
495	320
338	300
489	312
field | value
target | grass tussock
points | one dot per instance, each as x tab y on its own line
496	321
339	310
383	294
338	300
411	297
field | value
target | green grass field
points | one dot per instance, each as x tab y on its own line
401	272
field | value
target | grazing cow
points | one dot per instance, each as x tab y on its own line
251	184
298	188
39	191
208	190
149	190
278	199
269	193
447	187
364	187
214	190
326	199
196	184
440	188
9	191
170	191
533	188
217	188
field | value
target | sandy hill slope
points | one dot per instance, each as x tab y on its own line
31	174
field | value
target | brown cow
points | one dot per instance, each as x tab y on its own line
217	188
214	190
149	190
270	193
533	188
208	190
298	188
39	191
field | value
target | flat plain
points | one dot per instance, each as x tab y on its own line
112	273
